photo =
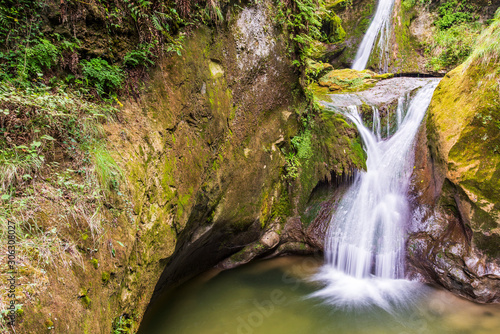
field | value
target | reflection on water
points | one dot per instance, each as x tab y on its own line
273	297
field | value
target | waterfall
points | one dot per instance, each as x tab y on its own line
380	26
364	247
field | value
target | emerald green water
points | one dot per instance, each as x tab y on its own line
271	297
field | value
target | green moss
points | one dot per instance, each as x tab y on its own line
84	298
86	301
464	137
265	209
349	80
49	324
488	244
310	214
95	263
282	208
358	155
384	76
332	27
105	277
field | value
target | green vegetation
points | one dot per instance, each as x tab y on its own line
301	20
122	325
455	12
31	53
452	46
487	47
52	159
42	56
456	30
302	144
140	57
99	74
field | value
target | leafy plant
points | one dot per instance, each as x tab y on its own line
302	143
292	166
141	56
43	55
122	325
104	77
454	12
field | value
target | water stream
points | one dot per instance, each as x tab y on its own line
379	28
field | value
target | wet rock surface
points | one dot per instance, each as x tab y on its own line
383	93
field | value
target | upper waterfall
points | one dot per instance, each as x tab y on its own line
380	25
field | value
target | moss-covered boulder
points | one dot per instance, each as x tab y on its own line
456	239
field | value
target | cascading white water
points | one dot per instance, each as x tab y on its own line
380	26
364	246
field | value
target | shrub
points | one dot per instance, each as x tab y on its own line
454	12
99	74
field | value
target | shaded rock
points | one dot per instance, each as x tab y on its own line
267	242
296	248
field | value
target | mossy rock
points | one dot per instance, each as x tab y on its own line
316	69
464	142
464	135
349	80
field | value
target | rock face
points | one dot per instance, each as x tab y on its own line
455	237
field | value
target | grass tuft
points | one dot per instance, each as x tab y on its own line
487	47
